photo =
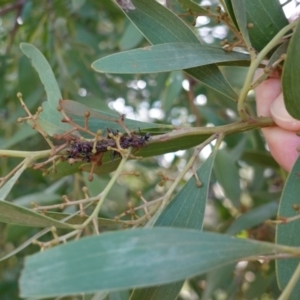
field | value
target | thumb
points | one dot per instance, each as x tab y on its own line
281	117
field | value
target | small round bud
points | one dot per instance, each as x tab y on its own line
199	183
218	8
283	56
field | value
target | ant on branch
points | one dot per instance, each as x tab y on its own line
84	149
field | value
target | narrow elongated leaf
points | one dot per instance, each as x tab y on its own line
186	211
25	244
131	38
267	18
219	279
291	76
24	133
45	73
253	217
50	118
172	91
103	224
159	25
6	188
227	175
191	6
102	120
260	158
131	258
211	76
239	7
282	49
229	9
14	214
288	234
164	57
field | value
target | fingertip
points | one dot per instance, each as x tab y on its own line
281	117
283	146
265	94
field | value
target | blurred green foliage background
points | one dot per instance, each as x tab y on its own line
72	35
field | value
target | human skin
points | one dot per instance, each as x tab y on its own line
281	139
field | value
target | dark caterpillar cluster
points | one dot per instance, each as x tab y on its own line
84	149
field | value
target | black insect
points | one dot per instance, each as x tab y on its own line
134	141
84	150
81	149
146	137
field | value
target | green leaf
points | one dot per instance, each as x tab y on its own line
260	158
191	6
131	37
282	49
211	76
267	18
172	90
50	118
288	234
164	57
14	214
6	188
253	217
24	133
159	25
131	258
62	169
39	198
219	280
102	120
25	244
239	7
227	175
158	147
186	211
263	282
167	292
45	73
103	224
229	9
291	76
